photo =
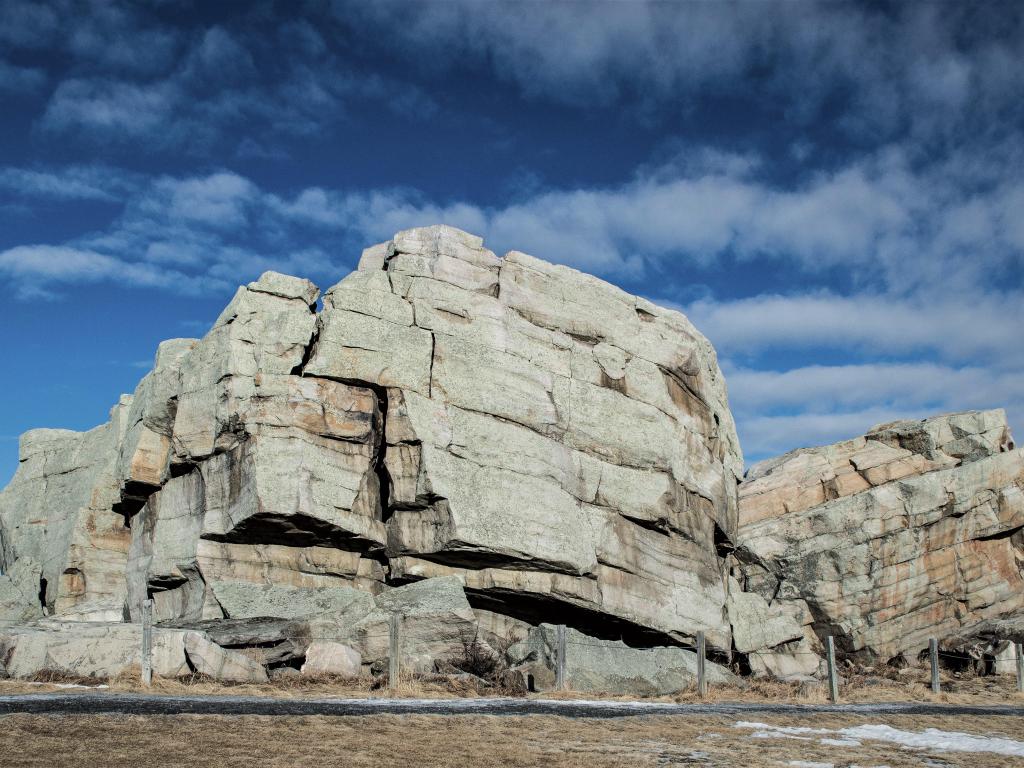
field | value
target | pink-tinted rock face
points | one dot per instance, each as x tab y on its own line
910	532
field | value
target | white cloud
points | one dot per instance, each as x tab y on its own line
113	108
220	199
68	183
34	266
955	327
777	411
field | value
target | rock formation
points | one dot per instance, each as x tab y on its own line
915	530
487	447
557	449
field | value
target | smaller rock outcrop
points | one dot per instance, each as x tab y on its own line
912	531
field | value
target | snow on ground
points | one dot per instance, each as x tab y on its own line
930	738
68	685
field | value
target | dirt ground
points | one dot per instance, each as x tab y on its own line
421	741
889	686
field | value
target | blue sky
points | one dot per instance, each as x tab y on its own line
834	193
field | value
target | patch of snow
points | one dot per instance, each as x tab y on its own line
68	685
933	738
930	738
792	730
806	764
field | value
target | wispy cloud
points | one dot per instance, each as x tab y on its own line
74	182
915	67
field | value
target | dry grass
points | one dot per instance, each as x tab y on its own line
458	742
432	686
888	686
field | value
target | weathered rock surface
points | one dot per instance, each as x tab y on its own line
324	657
610	666
910	532
519	433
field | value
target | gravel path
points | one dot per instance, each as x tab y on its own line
142	704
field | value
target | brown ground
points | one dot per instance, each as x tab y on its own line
421	741
887	686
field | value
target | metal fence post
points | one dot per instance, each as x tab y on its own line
560	678
394	651
147	642
933	653
833	680
1020	666
702	680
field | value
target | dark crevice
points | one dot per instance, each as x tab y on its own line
308	352
430	373
723	544
134	496
545	609
181	469
379	467
477	559
1001	535
164	583
42	593
294	530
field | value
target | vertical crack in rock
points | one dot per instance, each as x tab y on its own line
379	466
309	350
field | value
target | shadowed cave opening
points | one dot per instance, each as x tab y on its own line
541	609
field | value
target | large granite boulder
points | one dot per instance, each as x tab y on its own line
909	532
545	444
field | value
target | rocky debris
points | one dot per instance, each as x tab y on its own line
609	666
910	532
989	645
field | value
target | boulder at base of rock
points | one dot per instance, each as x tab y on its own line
610	666
324	657
84	649
208	658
